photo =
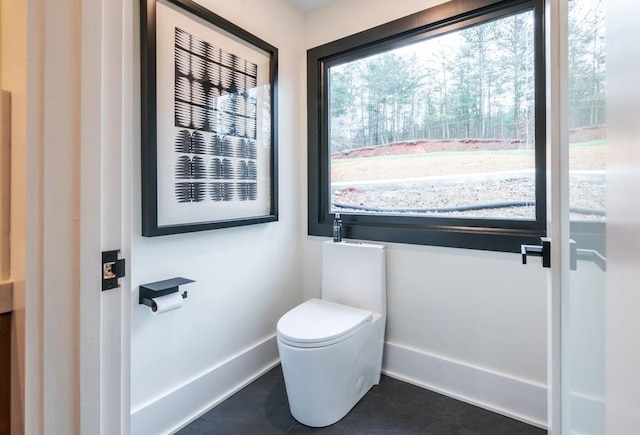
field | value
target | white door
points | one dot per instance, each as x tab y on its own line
107	123
576	124
583	298
594	170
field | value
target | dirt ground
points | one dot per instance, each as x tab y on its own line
443	157
428	165
447	158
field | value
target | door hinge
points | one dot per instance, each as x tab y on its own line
113	268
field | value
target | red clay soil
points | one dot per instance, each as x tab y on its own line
430	146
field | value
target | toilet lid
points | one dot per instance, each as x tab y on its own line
318	323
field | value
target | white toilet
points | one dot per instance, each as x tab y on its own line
331	348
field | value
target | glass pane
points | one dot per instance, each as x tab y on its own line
583	338
587	122
443	127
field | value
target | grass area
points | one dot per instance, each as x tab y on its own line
591	143
436	154
583	156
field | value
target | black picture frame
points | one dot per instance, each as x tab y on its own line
208	121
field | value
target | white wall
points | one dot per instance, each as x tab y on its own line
471	324
185	361
468	323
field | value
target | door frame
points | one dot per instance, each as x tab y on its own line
79	110
556	37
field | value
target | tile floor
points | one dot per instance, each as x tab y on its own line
393	407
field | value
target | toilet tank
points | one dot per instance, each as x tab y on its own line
354	274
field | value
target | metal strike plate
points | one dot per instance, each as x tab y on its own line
112	269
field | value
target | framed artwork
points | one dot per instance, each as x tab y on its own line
209	133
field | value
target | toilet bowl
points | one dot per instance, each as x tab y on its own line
331	348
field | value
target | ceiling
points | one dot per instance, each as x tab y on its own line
308	5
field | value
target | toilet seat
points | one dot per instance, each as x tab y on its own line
319	323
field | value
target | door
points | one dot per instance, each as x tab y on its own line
583	301
577	282
594	301
576	137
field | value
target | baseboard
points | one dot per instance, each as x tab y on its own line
516	398
587	414
184	404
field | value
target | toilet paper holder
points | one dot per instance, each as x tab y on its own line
161	288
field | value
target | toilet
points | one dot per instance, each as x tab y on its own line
331	348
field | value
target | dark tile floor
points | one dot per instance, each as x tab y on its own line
393	407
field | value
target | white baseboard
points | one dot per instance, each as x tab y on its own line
587	414
516	398
184	404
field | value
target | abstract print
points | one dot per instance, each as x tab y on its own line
216	114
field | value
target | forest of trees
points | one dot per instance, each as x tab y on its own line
476	83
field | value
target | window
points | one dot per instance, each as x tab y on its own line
431	129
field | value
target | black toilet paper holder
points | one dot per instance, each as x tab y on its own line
161	288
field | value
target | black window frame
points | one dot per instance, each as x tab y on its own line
504	235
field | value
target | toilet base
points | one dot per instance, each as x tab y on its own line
324	384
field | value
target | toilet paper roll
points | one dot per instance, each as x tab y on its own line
166	303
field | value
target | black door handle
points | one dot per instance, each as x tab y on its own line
543	250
